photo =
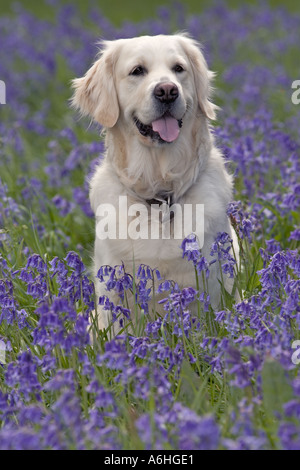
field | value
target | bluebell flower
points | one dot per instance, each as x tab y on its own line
288	434
74	261
64	378
190	248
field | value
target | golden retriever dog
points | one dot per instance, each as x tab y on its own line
152	97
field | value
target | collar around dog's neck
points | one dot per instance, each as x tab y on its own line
161	199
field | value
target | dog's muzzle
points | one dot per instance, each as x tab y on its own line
164	130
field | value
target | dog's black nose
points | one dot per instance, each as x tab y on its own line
166	92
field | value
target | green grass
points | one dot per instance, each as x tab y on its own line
132	10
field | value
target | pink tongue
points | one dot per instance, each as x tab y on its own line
167	127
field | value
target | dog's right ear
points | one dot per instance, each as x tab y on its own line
95	93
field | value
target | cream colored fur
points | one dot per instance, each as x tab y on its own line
140	168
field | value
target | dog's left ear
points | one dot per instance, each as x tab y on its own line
95	93
202	76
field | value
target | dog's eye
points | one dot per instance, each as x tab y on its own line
178	68
139	70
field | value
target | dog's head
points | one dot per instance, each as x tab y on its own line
149	86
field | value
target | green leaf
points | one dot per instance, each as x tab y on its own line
192	388
276	390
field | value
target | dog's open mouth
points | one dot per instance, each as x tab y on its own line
164	129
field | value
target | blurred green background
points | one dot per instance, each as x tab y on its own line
134	10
